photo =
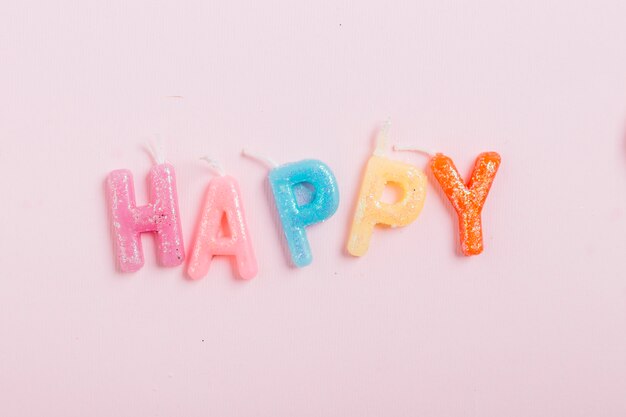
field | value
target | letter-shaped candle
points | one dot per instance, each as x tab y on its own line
222	200
467	200
161	216
371	210
296	217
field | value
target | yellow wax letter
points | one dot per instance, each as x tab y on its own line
371	210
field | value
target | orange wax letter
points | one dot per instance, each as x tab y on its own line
467	200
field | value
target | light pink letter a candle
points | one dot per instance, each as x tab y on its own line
160	216
222	201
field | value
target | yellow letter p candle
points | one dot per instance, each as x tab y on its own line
371	210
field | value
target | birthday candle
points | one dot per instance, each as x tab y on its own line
468	200
222	200
371	210
160	216
294	216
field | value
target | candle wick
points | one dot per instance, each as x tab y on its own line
404	148
382	138
214	165
263	159
156	151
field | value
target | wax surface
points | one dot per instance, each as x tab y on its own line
468	200
160	216
371	210
295	217
223	198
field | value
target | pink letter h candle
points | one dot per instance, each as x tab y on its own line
161	216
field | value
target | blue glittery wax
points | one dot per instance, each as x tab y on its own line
295	216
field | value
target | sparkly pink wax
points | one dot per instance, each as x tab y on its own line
161	216
223	200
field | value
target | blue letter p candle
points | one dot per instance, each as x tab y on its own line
295	217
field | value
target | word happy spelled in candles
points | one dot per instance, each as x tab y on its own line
223	203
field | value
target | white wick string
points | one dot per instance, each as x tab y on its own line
215	166
406	148
263	159
382	138
156	151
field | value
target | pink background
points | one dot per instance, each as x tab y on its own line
535	326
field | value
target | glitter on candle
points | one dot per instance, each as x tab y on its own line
222	199
371	210
468	201
161	216
296	217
